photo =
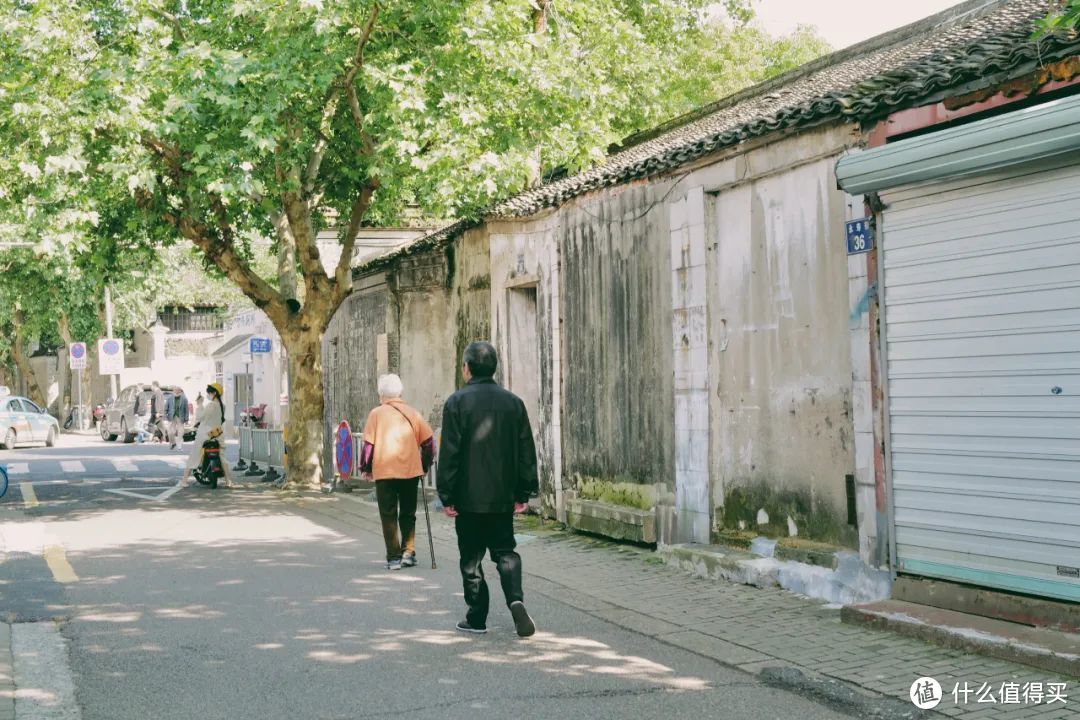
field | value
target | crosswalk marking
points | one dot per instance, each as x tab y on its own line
72	466
125	466
18	468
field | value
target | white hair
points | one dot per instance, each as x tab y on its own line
390	386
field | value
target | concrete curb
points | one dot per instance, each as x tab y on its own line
841	578
7	675
1049	650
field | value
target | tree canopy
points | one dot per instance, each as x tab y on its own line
140	123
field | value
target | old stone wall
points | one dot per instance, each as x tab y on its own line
615	294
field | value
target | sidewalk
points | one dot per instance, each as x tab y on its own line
787	639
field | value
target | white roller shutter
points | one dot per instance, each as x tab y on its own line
982	331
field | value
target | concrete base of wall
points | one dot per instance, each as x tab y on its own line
1042	648
989	603
612	521
842	580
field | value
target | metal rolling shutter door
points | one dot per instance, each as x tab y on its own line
982	330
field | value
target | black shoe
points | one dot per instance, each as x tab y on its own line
522	622
408	560
464	626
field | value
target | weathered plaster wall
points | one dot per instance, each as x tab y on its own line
526	331
615	287
780	362
351	362
422	332
414	319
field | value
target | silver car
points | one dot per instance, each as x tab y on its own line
22	422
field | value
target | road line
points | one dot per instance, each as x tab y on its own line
18	468
72	466
56	559
28	494
125	466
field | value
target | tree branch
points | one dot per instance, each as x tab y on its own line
343	272
311	172
178	30
220	250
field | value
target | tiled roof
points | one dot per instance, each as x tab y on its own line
905	68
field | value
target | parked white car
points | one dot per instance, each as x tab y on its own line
22	422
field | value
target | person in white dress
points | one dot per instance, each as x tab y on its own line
213	416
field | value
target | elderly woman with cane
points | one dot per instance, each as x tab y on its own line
399	447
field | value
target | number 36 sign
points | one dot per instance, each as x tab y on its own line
860	236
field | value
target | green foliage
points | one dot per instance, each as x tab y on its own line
616	493
1064	18
727	59
458	101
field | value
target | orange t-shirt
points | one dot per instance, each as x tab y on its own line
397	444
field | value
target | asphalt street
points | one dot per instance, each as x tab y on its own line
240	604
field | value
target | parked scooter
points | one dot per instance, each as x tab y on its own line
210	469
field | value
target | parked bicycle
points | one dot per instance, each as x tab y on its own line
3	480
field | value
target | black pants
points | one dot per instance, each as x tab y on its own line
397	509
478	533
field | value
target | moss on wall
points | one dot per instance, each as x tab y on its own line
616	491
813	520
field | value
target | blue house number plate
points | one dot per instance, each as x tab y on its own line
860	237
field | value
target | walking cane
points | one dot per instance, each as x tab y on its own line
427	516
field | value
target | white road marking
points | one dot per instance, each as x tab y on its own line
18	468
72	466
141	493
125	466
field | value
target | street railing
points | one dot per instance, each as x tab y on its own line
262	453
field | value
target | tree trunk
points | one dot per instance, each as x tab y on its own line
18	352
306	435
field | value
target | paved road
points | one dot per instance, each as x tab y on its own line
238	604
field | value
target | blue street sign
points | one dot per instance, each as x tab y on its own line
260	345
860	236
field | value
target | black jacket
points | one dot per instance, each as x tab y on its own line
487	461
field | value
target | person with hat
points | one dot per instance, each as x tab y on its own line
213	418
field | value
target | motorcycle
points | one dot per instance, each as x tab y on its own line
210	469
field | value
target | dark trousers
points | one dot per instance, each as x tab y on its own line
397	509
478	533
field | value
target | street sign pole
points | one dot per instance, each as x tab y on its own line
109	333
78	404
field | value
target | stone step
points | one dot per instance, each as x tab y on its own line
1043	648
989	603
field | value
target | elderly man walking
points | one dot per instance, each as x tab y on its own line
398	449
487	472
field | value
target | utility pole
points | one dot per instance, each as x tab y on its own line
109	334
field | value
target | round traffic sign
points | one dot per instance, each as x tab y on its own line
344	450
78	350
111	347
